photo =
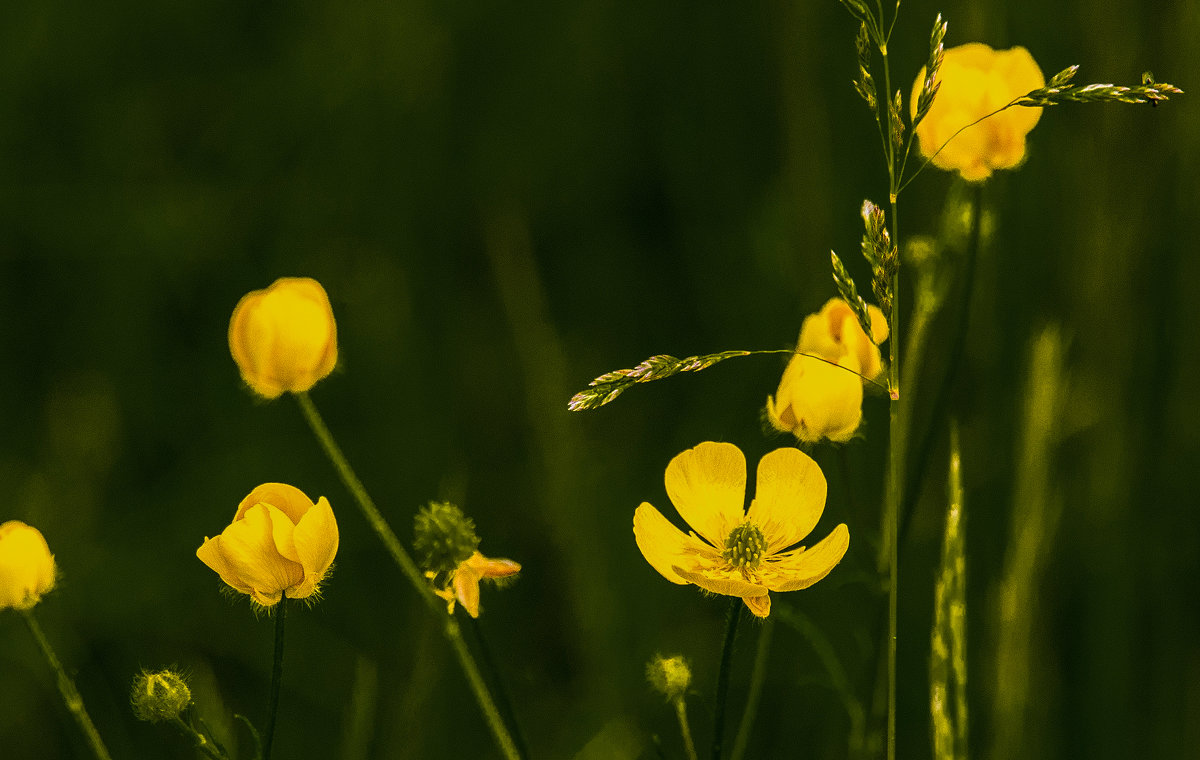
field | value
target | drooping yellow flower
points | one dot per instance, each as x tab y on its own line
279	543
463	584
737	552
977	80
26	566
816	399
284	338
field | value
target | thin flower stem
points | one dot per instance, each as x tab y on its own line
502	701
684	729
276	677
451	630
202	742
70	694
941	401
758	677
735	612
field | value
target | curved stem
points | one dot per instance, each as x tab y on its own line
735	612
684	729
201	742
758	677
66	687
451	631
502	700
276	677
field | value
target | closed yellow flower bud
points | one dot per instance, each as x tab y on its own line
975	81
26	566
823	399
284	338
279	543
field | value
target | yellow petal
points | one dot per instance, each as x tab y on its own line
286	498
27	569
210	554
487	567
803	567
663	545
719	580
707	485
789	497
466	588
759	605
249	549
315	542
823	399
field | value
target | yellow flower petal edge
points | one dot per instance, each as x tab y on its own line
464	581
27	569
975	81
284	338
279	543
742	554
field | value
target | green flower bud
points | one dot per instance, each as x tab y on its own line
669	675
159	696
443	537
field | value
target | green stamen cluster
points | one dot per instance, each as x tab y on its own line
745	546
443	537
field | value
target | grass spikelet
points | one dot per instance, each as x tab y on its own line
880	253
931	85
948	644
849	293
608	386
865	83
1060	90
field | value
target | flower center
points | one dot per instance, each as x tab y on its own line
745	546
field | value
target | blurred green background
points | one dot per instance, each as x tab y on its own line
504	202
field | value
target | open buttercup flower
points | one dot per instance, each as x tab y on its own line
738	552
817	399
284	338
279	543
975	81
27	569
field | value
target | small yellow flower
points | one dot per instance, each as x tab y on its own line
284	338
463	583
736	552
816	399
26	566
279	543
977	80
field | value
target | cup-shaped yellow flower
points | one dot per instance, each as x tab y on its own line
975	81
823	399
284	338
26	566
279	543
463	585
733	551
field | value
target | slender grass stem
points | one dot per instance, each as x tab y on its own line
684	729
276	677
758	677
202	742
735	612
393	546
502	701
71	697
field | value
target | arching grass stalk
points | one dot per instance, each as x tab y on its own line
66	687
502	700
276	677
735	612
401	557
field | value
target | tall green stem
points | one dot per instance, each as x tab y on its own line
685	729
276	677
66	687
735	612
758	677
451	630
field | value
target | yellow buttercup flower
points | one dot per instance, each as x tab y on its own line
816	399
26	566
284	338
278	544
463	583
737	552
977	80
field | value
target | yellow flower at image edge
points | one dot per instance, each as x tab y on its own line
822	397
463	585
975	81
279	543
284	338
26	566
737	552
